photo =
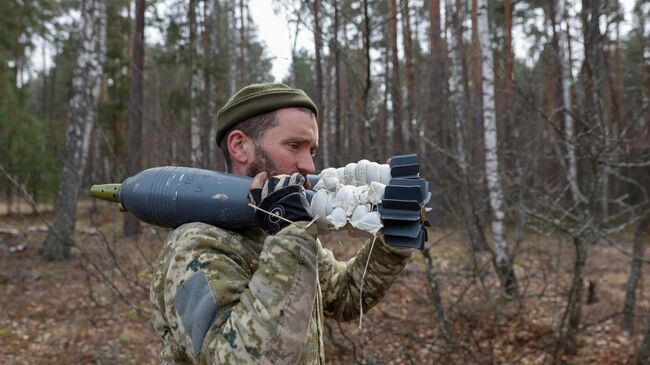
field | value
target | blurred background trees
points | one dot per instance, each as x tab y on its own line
530	117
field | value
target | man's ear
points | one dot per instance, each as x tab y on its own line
240	148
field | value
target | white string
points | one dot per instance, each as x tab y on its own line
372	245
281	217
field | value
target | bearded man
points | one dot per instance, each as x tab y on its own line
260	295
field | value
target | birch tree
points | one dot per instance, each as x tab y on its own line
196	87
86	82
561	12
459	116
211	33
502	258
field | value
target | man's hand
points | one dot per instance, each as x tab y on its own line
282	195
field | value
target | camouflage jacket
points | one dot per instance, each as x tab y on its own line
223	297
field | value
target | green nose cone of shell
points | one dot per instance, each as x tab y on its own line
108	192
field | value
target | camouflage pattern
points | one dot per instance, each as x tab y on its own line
271	293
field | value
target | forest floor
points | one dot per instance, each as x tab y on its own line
94	308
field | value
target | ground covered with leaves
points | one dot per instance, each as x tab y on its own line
94	309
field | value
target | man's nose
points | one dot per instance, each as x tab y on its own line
306	164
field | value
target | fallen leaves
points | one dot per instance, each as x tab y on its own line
61	313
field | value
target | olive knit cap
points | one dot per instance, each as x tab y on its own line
256	99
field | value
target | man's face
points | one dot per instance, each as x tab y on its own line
289	146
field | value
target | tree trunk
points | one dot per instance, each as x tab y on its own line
434	287
134	132
508	58
502	258
328	117
616	98
412	128
242	44
438	84
590	15
510	123
196	88
571	319
635	275
643	353
338	126
211	33
459	115
591	80
561	11
370	138
318	46
400	128
347	93
476	93
643	19
385	126
432	125
474	122
86	81
231	27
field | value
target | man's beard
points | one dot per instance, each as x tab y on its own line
262	163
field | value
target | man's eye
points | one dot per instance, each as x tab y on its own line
293	146
313	152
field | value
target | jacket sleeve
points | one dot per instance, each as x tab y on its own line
223	312
341	281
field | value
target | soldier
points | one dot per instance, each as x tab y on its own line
259	295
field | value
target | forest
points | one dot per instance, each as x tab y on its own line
531	120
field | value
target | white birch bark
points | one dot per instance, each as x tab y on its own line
491	154
459	112
196	88
457	94
565	75
86	84
211	83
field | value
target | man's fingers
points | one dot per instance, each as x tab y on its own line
258	181
297	179
273	183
